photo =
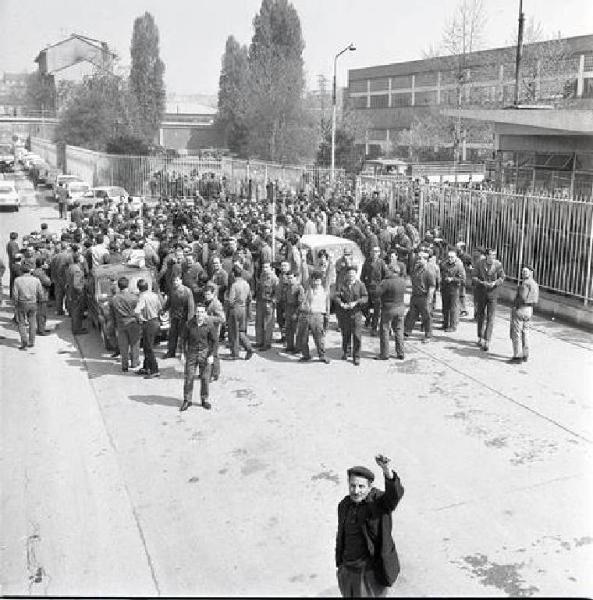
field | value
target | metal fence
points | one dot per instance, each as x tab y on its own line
554	235
170	176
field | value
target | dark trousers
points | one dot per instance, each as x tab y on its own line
372	310
192	363
176	333
75	309
359	583
419	308
485	313
26	315
290	320
216	364
60	291
238	330
128	340
450	297
281	317
41	316
352	332
12	278
149	333
264	322
63	210
462	305
312	324
392	317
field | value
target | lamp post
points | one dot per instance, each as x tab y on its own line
350	47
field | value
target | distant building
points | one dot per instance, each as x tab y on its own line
74	58
390	96
188	126
13	87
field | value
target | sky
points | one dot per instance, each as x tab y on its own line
193	32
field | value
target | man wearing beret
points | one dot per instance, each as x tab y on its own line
366	558
351	297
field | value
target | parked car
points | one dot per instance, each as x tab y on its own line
111	192
39	171
73	190
102	285
6	158
28	158
60	179
334	246
9	197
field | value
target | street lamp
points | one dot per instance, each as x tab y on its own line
351	47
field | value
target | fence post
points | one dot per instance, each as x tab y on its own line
521	249
421	212
589	257
468	219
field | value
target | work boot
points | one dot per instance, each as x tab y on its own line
186	404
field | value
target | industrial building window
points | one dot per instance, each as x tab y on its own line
425	98
381	101
588	87
403	99
484	73
359	85
401	82
378	85
588	62
449	97
378	135
358	102
426	79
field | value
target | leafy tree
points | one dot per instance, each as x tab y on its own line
233	96
127	144
349	156
40	92
98	110
279	128
146	75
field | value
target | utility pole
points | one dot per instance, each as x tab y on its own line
519	49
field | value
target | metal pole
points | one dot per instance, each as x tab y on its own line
273	223
333	159
588	284
518	55
521	245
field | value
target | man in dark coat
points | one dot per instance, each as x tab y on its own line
366	557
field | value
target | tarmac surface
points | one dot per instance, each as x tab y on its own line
107	489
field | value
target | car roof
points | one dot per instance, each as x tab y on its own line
321	240
119	270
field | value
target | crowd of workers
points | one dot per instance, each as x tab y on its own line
211	259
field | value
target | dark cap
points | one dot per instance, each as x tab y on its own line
361	472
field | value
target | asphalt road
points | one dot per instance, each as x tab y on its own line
108	489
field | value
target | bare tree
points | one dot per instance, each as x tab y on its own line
465	31
546	69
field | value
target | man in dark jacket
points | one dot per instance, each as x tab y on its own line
351	297
391	293
373	272
41	273
366	557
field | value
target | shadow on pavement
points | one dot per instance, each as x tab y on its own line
172	401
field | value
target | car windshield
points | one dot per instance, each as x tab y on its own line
5	189
78	187
106	284
5	149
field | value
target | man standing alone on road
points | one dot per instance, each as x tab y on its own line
199	346
527	297
488	278
26	294
75	292
366	558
